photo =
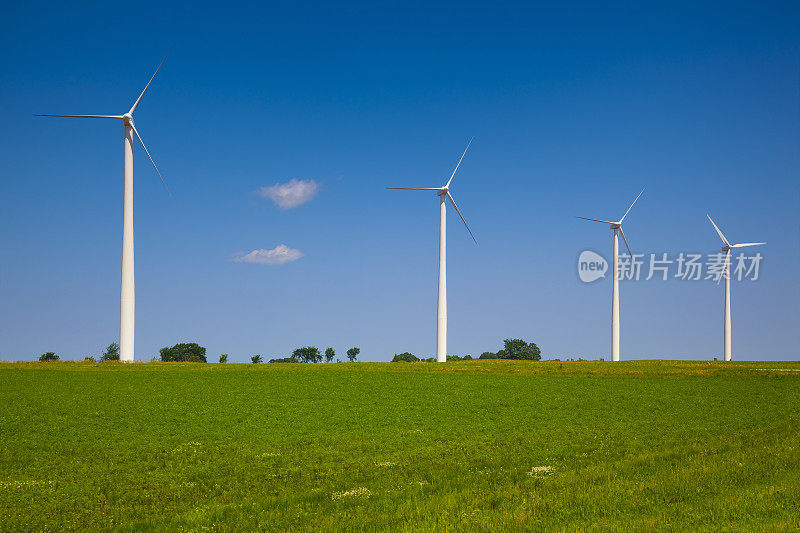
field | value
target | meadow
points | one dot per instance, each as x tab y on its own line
464	446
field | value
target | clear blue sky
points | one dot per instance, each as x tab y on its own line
574	109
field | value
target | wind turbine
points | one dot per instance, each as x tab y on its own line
127	293
617	227
726	342
441	313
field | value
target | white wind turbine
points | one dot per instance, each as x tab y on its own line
726	342
127	293
441	313
617	227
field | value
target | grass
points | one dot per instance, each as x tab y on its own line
473	446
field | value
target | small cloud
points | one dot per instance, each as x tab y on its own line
291	194
277	256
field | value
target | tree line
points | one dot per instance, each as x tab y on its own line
191	352
516	349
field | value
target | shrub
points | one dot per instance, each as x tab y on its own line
223	358
405	357
184	353
111	353
283	360
49	356
488	355
89	359
256	359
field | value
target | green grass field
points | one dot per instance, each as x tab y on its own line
473	446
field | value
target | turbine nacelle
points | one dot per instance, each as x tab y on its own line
617	225
127	118
444	191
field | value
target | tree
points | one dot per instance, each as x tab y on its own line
520	350
111	353
352	353
405	357
488	355
329	354
49	356
223	358
184	353
307	354
256	359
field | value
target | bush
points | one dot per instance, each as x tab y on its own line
405	357
111	353
49	356
184	353
488	355
89	359
223	358
256	359
284	360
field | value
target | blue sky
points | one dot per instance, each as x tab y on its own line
574	108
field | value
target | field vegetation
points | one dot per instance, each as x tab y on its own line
481	445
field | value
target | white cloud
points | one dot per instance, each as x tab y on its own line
277	256
291	194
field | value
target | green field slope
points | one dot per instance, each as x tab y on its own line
472	446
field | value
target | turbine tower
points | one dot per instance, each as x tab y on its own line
726	273
441	313
127	305
617	227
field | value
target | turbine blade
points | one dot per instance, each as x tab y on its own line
82	116
151	159
462	217
726	270
747	244
721	236
597	220
416	188
631	207
459	162
136	103
626	242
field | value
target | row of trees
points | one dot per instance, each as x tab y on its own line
194	353
512	349
310	354
111	353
